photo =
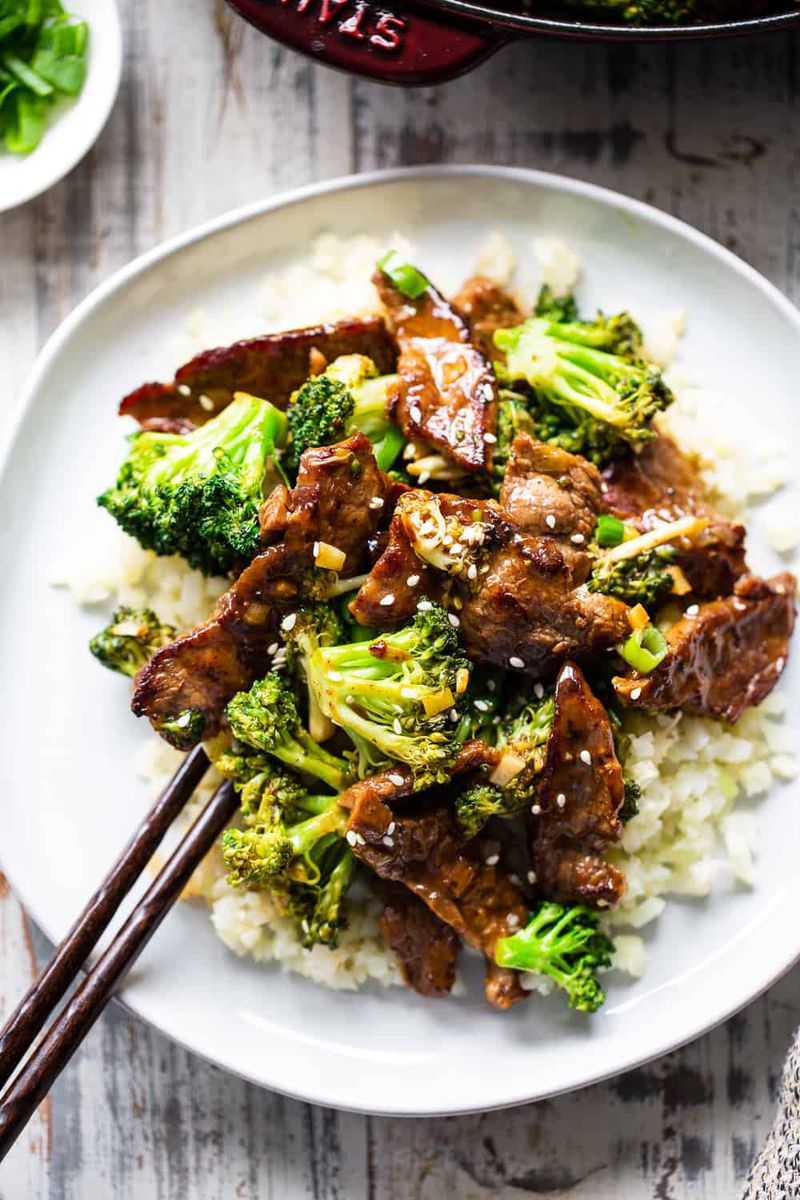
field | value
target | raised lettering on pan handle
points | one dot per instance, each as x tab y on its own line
366	38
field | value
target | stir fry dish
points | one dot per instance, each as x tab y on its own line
462	560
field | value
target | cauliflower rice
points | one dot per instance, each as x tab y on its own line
690	834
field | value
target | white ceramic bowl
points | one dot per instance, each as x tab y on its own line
70	796
77	127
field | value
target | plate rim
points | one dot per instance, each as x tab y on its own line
548	181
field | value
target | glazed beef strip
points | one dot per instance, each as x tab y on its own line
580	792
273	367
448	391
200	672
425	852
426	947
726	657
551	493
487	307
661	484
519	608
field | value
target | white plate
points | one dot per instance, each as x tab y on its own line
70	797
79	123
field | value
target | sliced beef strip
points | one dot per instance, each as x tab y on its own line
661	484
203	670
426	947
521	608
273	367
334	500
550	492
487	307
425	852
580	792
448	392
724	659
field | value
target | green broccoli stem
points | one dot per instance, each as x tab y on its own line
301	752
325	920
305	836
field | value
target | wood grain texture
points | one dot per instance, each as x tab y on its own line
211	116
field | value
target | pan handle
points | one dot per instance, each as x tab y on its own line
366	38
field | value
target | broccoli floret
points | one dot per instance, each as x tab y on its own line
525	729
349	396
266	718
260	781
513	417
184	731
564	944
303	860
643	579
393	695
592	392
197	494
558	308
477	804
130	640
318	906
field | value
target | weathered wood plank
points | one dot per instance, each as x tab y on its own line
211	116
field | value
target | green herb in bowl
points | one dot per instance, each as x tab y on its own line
42	60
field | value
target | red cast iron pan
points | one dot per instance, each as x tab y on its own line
432	40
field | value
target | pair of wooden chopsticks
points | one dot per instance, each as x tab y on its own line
51	1054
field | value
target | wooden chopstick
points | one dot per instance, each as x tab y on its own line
60	1042
19	1031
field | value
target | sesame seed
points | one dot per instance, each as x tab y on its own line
490	438
390	828
335	676
454	715
409	451
315	550
272	648
512	920
491	685
577	538
388	841
636	693
585	757
472	571
493	860
415	413
453	619
481	706
360	839
602	903
376	502
561	800
206	403
550	521
536	809
423	478
424	606
396	726
397	780
184	389
538	690
351	837
288	623
517	662
447	540
398	708
692	610
531	877
387	601
412	580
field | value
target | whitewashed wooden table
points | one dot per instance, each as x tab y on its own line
211	116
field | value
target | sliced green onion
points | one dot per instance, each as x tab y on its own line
406	279
645	649
610	531
33	81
